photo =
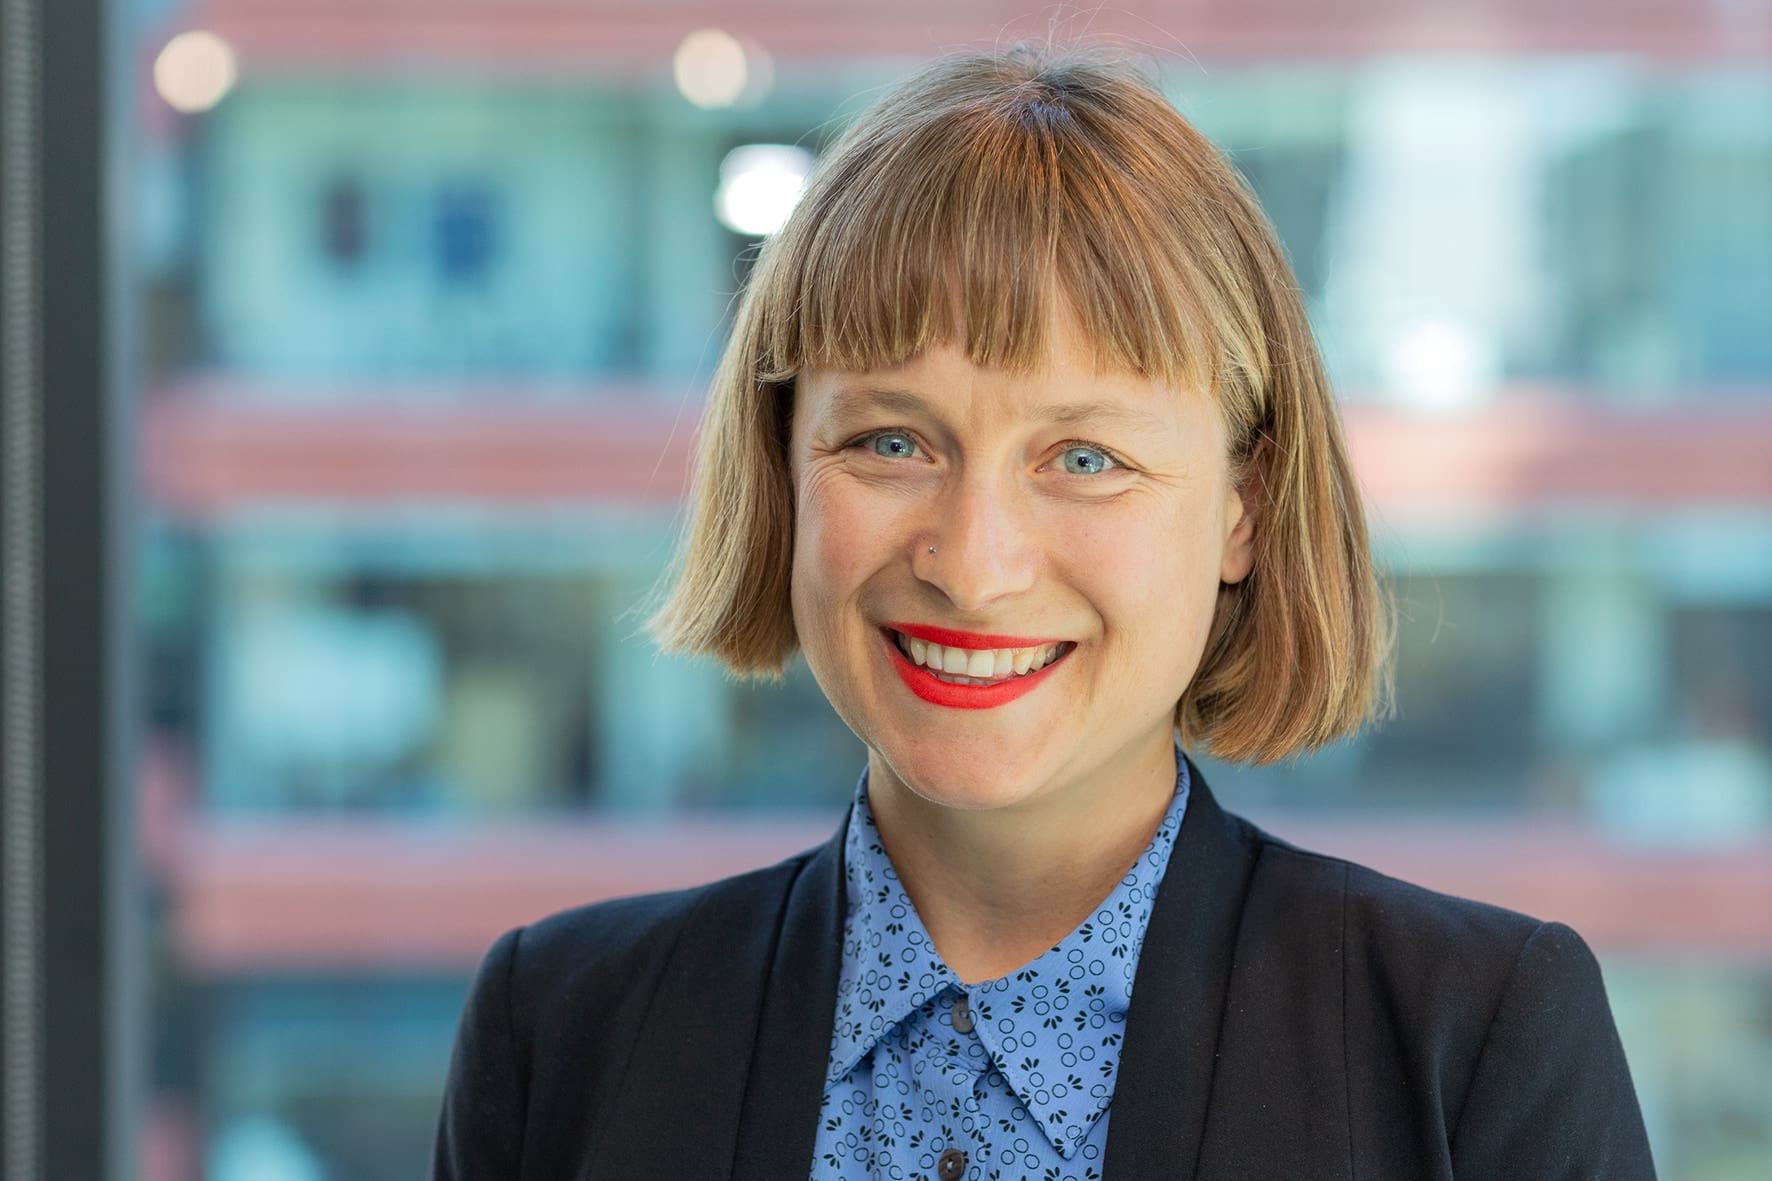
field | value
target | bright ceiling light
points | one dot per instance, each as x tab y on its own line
194	71
711	68
1441	365
759	185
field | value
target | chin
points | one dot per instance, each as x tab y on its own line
966	788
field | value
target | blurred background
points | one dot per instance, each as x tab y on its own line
420	303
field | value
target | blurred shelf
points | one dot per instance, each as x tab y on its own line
208	450
303	895
205	454
630	37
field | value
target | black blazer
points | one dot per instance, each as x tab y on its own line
1294	1016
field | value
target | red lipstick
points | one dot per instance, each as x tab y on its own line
949	638
936	691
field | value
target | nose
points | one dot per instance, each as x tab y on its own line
985	549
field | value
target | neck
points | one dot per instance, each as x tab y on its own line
997	888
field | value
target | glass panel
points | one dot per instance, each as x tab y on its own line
427	301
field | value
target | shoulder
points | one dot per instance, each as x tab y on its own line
580	952
585	976
1383	912
1495	1019
1439	961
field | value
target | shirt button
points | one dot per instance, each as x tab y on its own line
953	1163
962	1015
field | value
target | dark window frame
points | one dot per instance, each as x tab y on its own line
69	954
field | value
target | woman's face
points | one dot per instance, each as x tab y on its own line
1111	532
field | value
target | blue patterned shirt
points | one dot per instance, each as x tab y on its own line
1009	1078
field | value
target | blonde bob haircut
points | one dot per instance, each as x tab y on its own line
945	214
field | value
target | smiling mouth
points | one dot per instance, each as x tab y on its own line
902	643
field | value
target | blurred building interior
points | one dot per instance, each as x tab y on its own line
424	299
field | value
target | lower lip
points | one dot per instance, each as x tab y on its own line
939	692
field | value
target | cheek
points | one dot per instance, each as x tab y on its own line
836	541
827	525
1153	578
1143	560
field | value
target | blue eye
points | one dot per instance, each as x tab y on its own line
904	449
1090	447
886	435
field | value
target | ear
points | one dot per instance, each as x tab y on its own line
1241	519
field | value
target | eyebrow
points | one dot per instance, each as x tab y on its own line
856	399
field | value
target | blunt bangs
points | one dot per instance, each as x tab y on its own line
1008	200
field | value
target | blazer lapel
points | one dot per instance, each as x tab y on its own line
779	1128
1157	1118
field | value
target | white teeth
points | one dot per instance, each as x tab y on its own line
978	663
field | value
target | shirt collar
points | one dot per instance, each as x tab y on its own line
890	968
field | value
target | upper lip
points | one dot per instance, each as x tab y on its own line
948	637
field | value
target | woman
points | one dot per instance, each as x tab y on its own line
1023	392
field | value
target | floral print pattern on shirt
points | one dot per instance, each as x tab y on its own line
1019	1076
